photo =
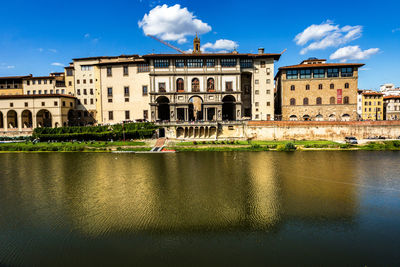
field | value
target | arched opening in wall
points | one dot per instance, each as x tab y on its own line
180	85
346	100
180	132
12	119
43	118
332	117
195	108
26	119
306	118
163	108
1	120
332	100
245	83
293	118
318	101
293	102
319	117
73	119
228	108
210	85
345	117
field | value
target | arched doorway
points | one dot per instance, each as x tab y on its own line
26	119
345	117
195	108
180	132
293	118
306	118
332	117
319	117
12	119
1	120
44	118
228	108
163	108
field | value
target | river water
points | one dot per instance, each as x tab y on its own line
200	208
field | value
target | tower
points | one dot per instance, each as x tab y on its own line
196	45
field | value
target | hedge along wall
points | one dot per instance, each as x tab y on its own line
99	133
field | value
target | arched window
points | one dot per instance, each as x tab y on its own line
195	85
292	87
332	86
320	86
346	100
305	101
332	100
180	86
293	118
293	102
346	85
210	85
307	87
319	101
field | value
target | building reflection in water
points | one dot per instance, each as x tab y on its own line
98	194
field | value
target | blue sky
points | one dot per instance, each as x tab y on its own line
42	36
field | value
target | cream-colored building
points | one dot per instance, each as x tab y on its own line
392	107
52	84
12	85
316	90
211	87
124	89
19	114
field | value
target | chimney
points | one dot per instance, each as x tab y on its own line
260	51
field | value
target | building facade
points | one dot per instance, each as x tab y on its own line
389	89
12	85
211	87
392	107
21	113
372	106
316	90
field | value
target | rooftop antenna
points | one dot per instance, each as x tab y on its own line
165	43
283	51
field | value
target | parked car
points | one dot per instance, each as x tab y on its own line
351	140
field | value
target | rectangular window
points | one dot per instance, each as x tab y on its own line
256	92
29	92
305	74
40	92
347	72
109	91
85	101
45	92
256	81
161	87
195	63
78	81
126	99
84	81
110	115
55	103
91	91
39	81
333	73
161	63
262	64
228	86
78	91
28	82
86	68
69	83
26	104
51	81
33	82
84	91
109	71
143	68
69	72
91	81
126	71
268	104
180	63
127	115
292	74
145	114
319	73
268	81
110	100
126	91
210	62
144	89
43	104
228	62
268	92
256	104
246	63
44	81
91	101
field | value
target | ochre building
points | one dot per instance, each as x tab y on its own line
317	90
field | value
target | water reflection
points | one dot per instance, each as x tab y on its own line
55	201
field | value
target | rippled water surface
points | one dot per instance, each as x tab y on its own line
225	209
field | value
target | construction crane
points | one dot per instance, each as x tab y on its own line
165	43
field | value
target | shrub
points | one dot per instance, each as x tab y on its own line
287	147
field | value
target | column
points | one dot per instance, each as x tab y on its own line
186	114
19	122
5	123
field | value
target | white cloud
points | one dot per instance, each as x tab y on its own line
222	45
40	49
57	64
396	30
53	50
11	67
87	35
172	23
353	53
326	35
